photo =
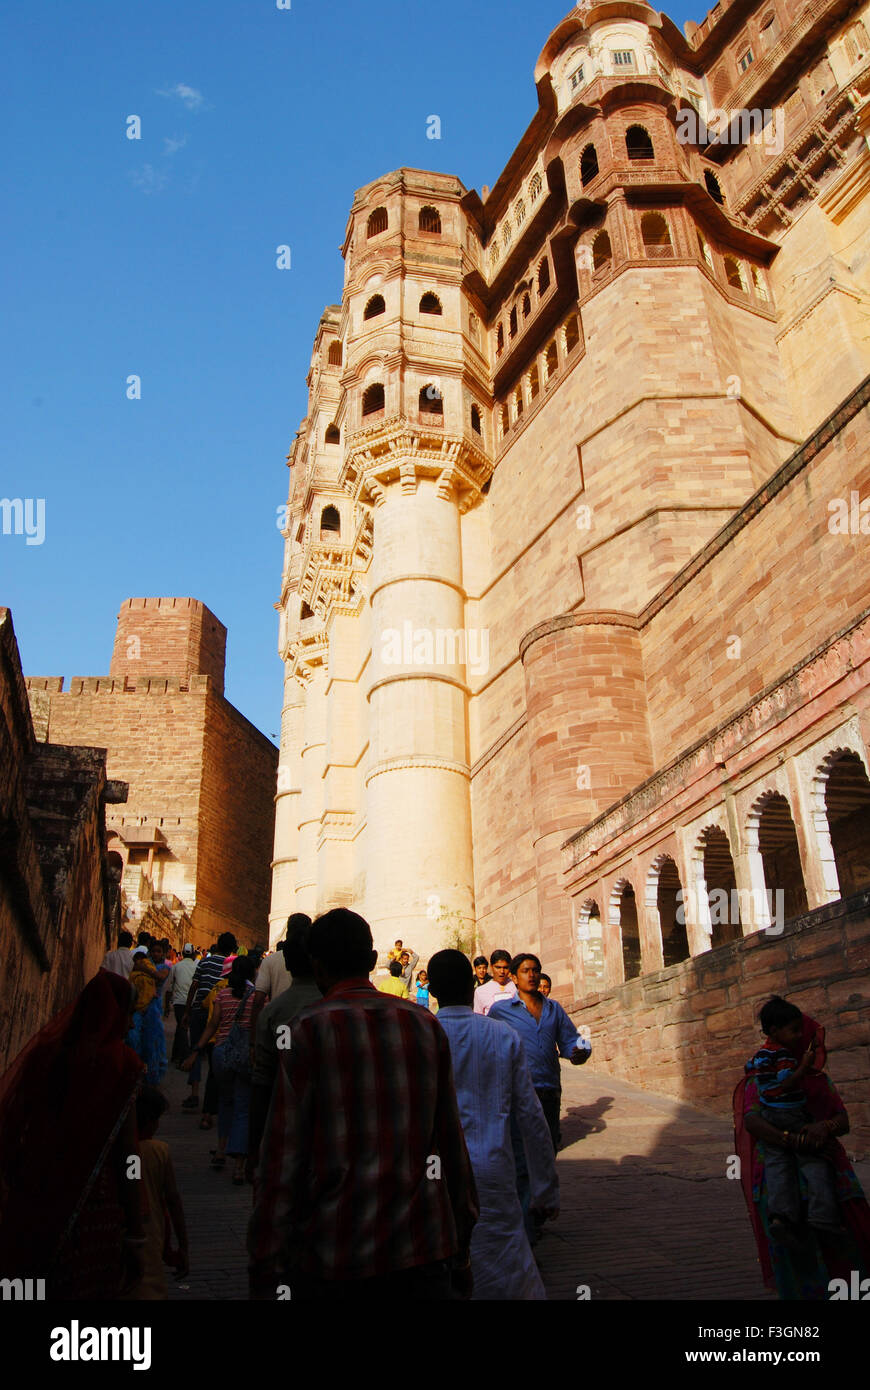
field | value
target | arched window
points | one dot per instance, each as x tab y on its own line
780	857
602	253
474	327
475	420
335	354
656	237
527	305
535	187
623	914
374	307
505	420
513	322
847	807
713	187
520	213
543	276
551	360
518	401
534	382
732	273
769	31
330	522
333	434
429	220
591	945
720	86
499	340
588	165
665	895
430	304
717	887
572	334
377	222
704	248
506	235
373	399
430	401
758	282
638	145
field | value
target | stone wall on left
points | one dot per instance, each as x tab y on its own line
59	903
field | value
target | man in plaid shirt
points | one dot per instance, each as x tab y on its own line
365	1187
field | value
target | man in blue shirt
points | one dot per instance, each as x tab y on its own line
546	1032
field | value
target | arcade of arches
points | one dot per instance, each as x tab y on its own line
688	903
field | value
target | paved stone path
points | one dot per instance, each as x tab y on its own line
647	1209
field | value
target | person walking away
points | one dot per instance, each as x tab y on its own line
175	995
394	983
146	1035
195	1016
273	1032
120	961
365	1190
493	1089
274	976
230	1027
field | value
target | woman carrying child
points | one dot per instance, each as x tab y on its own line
788	1119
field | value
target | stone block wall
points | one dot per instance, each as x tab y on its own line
56	916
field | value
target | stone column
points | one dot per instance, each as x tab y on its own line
418	831
285	861
312	762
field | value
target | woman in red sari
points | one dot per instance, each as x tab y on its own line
68	1213
804	1273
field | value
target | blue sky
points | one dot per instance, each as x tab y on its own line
157	257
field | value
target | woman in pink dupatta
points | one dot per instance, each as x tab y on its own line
803	1274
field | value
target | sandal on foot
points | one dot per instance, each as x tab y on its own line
218	1161
205	1122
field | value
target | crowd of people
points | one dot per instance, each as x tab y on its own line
400	1129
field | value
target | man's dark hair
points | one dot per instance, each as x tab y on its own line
480	960
777	1013
296	957
396	969
451	978
499	955
341	942
226	944
150	1105
518	960
144	939
124	939
547	978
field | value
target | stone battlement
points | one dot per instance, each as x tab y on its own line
125	685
